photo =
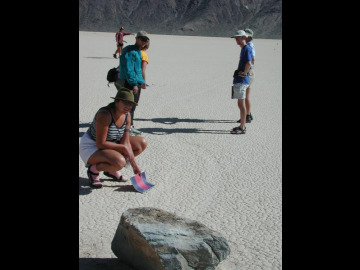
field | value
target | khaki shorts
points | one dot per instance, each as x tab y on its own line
251	76
238	91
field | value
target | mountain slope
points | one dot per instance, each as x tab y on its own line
183	17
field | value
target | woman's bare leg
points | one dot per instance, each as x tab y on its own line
138	144
247	101
107	160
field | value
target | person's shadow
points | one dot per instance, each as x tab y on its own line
166	131
175	120
83	125
172	121
86	189
102	264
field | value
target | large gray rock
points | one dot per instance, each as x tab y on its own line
152	239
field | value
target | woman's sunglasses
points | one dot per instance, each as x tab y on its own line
127	103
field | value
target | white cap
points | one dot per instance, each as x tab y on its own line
240	33
142	33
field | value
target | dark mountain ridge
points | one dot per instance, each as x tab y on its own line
183	17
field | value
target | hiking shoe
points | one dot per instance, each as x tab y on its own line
114	56
134	130
248	119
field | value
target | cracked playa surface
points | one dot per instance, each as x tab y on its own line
230	183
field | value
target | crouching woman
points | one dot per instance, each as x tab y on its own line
107	145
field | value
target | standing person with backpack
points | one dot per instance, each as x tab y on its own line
119	37
130	72
144	61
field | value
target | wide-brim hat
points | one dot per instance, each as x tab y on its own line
143	34
125	94
249	32
240	33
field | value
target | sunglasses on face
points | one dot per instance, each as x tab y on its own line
144	39
127	103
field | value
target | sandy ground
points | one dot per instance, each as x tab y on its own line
230	183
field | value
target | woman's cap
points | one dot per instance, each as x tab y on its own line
125	94
143	34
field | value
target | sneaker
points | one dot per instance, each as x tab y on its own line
134	130
114	56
